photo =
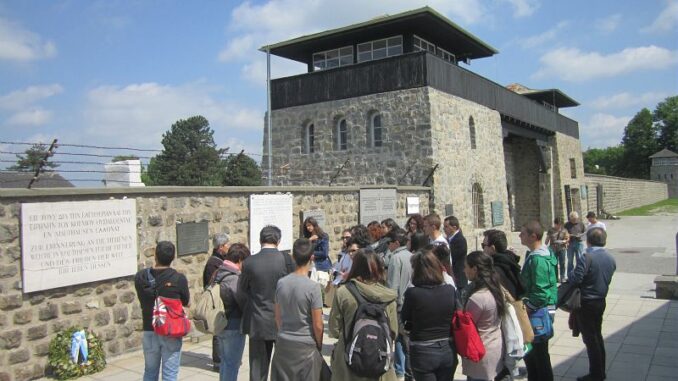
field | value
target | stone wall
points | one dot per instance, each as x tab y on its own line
460	166
406	133
29	321
565	148
667	174
621	194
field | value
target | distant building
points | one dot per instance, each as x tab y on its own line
386	102
665	169
22	179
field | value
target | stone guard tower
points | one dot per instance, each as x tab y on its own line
665	169
386	102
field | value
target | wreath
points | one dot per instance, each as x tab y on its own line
60	354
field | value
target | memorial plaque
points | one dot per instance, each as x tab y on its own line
271	209
412	205
67	243
192	238
497	213
377	205
449	210
318	214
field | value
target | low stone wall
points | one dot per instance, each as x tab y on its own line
621	194
110	308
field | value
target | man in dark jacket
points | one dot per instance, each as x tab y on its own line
506	264
593	274
220	244
160	350
458	250
258	280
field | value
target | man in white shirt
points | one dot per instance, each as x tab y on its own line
593	222
432	225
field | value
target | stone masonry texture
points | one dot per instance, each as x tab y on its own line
110	307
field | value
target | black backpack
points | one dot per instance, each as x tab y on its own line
369	346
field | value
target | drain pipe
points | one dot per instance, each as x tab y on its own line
268	116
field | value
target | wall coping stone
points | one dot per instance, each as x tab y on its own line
594	176
167	190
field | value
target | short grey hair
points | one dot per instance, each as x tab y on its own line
574	215
220	239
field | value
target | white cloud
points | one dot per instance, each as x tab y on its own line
34	117
19	99
608	24
666	20
603	130
523	8
20	44
542	38
255	25
571	64
138	114
626	99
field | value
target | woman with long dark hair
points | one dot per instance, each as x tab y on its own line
415	224
321	247
368	276
427	311
485	301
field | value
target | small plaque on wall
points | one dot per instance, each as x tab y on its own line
412	205
192	237
497	213
449	210
318	214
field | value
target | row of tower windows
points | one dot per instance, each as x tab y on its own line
375	134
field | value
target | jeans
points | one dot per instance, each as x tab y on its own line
231	345
590	322
561	254
402	357
574	249
435	360
161	350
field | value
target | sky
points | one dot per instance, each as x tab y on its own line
112	73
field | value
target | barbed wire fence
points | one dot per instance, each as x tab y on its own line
89	161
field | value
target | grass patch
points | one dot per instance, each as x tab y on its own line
668	206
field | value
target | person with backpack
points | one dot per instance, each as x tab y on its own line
231	341
484	300
220	244
427	312
541	294
299	318
365	322
160	281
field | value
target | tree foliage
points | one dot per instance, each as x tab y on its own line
189	157
640	141
604	161
666	118
31	159
241	170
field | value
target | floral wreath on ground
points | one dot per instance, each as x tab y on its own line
75	343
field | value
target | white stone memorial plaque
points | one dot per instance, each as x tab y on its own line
377	205
67	243
412	205
271	209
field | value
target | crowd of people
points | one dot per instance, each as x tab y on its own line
392	294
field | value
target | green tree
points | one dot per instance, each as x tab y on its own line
189	156
241	170
666	117
31	159
640	141
604	161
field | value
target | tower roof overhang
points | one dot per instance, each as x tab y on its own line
424	22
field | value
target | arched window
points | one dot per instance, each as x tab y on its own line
478	207
472	131
309	138
341	135
375	134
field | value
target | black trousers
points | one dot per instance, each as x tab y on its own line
590	322
538	363
436	361
215	351
260	358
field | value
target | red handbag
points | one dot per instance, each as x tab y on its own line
466	337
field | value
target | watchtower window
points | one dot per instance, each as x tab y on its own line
478	208
573	168
378	49
309	138
472	132
342	135
333	58
376	132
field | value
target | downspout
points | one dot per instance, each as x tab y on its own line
268	116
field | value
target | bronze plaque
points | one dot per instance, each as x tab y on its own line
192	237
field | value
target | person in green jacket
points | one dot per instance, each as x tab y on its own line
541	290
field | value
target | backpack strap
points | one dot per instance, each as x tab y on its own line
351	287
151	280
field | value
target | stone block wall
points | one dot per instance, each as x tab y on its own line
565	148
460	165
667	174
110	308
406	134
621	194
